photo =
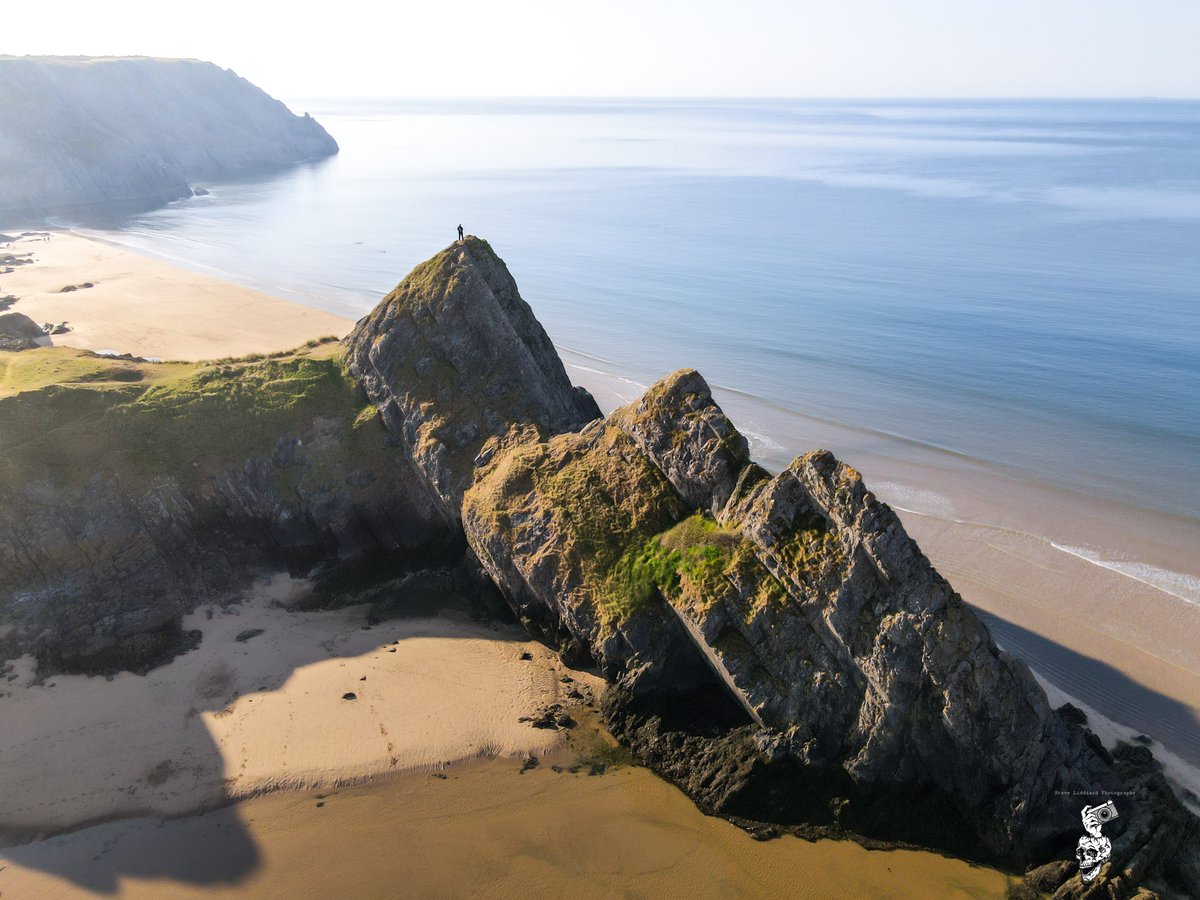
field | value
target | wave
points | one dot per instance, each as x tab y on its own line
934	504
1177	584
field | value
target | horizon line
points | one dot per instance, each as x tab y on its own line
880	98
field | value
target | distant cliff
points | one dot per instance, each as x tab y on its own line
81	135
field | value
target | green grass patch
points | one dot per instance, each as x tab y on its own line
32	370
77	415
697	557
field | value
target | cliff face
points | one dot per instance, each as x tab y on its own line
776	644
128	497
80	135
652	538
452	357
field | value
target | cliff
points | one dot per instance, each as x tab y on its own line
131	492
81	135
775	644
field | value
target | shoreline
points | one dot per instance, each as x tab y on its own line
115	302
240	740
1084	574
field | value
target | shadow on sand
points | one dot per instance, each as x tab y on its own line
1103	687
138	842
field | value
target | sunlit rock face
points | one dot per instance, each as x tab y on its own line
454	356
85	136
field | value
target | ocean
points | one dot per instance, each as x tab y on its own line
1009	287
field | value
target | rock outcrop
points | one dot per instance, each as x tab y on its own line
651	539
454	356
776	644
82	136
125	505
18	332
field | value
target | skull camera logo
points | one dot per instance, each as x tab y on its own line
1094	848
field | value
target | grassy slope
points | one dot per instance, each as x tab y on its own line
67	414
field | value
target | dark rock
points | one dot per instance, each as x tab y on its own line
489	365
1072	714
18	332
349	695
776	645
246	635
1050	877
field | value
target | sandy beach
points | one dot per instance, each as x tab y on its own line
148	308
261	705
484	830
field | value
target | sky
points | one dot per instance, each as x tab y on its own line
760	48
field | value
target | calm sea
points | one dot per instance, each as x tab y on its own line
1016	283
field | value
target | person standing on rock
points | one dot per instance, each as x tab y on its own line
460	232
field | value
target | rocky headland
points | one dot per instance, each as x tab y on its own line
84	136
774	643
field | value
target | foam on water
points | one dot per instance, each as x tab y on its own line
1177	584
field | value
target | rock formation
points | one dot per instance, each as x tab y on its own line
18	332
776	644
125	505
82	136
454	356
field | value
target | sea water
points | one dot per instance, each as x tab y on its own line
1015	282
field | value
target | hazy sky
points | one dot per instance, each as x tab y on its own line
821	48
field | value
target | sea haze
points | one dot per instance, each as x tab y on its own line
1012	282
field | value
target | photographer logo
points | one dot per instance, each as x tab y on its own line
1094	848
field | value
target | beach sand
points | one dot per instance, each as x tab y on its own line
483	830
235	718
151	309
324	810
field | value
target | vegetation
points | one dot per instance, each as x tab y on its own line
600	492
31	370
696	558
69	415
813	550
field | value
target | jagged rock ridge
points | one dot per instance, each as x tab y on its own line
776	644
80	135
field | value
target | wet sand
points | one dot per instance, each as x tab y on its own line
483	831
148	308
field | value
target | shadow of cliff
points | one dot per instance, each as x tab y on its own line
41	733
1103	687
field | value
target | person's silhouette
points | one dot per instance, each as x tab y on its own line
460	232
